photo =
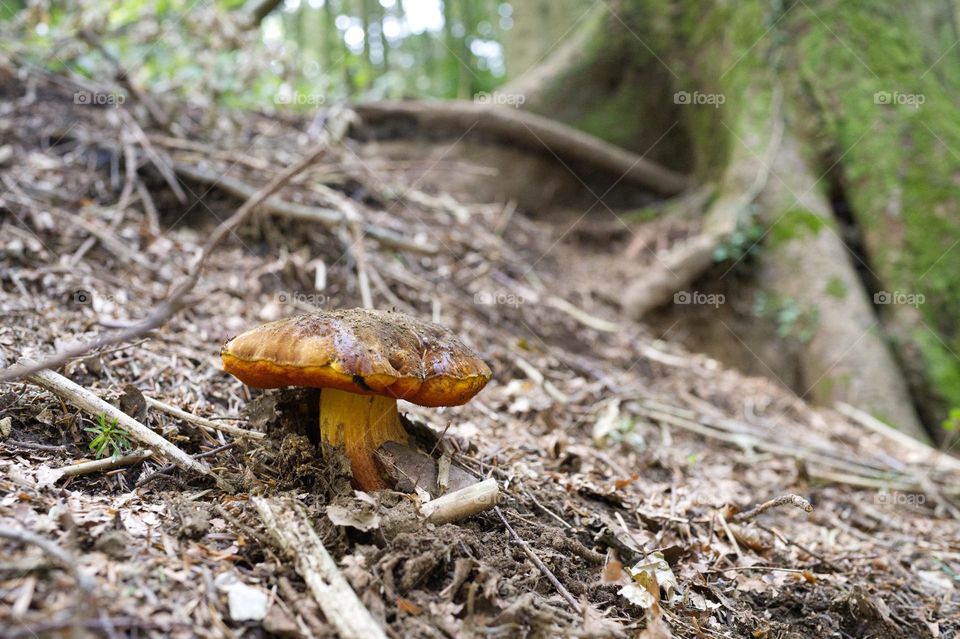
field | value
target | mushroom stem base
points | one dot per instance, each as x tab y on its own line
360	424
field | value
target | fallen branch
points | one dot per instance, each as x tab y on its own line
462	503
290	528
202	422
532	131
86	400
107	463
177	299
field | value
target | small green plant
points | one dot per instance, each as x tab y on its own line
108	435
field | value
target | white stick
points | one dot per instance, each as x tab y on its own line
291	529
202	422
88	401
107	463
462	503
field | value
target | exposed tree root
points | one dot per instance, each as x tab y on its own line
530	131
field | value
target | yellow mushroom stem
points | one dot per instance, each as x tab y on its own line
360	424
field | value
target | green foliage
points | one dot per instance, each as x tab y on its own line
108	435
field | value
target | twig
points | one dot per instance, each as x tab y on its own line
34	446
202	422
290	528
462	503
783	500
557	517
89	402
741	437
729	533
55	552
176	301
107	463
539	564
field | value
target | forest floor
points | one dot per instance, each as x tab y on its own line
623	460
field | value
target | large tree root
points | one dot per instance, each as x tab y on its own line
529	131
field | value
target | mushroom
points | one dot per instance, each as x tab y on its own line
364	361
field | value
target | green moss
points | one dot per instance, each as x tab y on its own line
836	288
884	99
796	223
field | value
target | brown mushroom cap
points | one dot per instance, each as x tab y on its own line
359	351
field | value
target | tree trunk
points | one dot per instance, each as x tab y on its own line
679	82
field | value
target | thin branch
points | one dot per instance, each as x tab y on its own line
164	470
107	463
538	563
327	217
783	500
202	422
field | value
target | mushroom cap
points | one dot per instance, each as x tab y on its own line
360	351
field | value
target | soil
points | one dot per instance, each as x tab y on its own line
623	459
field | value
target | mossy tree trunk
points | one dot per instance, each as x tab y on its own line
808	120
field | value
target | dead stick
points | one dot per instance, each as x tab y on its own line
462	503
202	422
290	528
107	463
88	401
538	563
532	131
